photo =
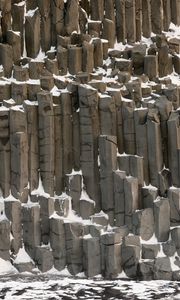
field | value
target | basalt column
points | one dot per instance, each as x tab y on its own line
166	14
4	152
108	163
128	127
45	31
138	19
19	154
107	113
97	9
146	18
72	16
18	20
89	131
46	140
32	33
5	7
116	95
57	25
67	131
140	116
109	9
58	149
173	147
157	16
19	165
130	12
33	151
120	21
175	11
155	157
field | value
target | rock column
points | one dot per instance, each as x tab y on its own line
46	140
89	130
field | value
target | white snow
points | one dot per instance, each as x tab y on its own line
20	3
40	190
22	257
31	12
85	196
101	214
6	268
152	240
87	236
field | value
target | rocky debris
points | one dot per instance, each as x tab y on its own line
90	137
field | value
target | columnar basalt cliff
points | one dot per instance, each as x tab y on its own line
90	136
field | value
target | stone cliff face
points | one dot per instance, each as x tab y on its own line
90	136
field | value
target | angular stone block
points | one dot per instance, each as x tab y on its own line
108	32
175	235
62	205
98	52
130	256
57	242
6	59
111	254
74	59
13	213
31	228
14	39
5	234
162	269
91	256
162	219
74	247
151	66
174	201
150	251
87	57
86	207
119	197
43	258
143	223
131	198
149	195
169	248
146	269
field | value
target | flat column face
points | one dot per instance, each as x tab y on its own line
46	140
154	151
146	18
19	165
32	34
97	9
33	143
157	16
120	20
175	9
130	15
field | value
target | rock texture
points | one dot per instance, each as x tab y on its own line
90	137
